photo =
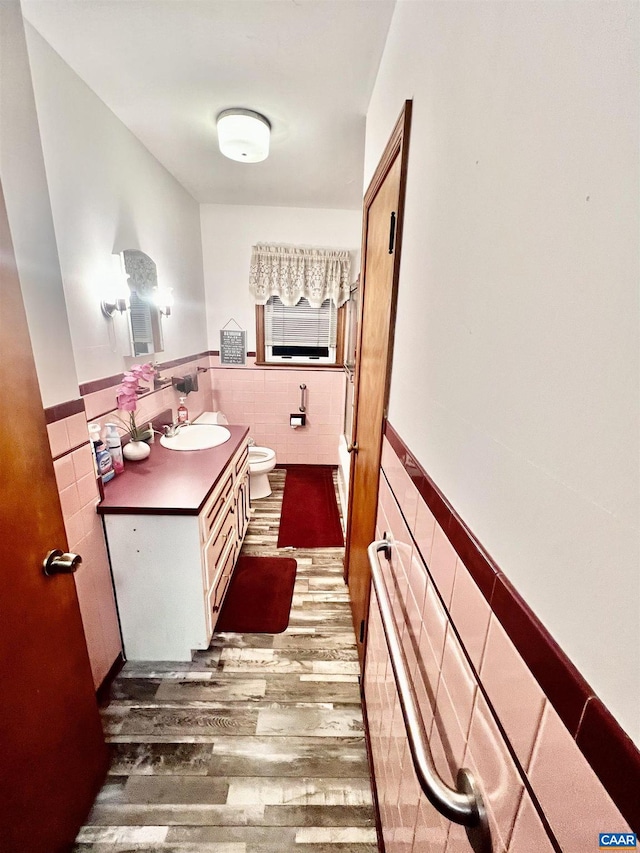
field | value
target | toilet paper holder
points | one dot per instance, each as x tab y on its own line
297	419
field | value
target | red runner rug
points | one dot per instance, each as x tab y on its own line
310	517
258	600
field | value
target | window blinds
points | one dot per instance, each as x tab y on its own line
141	328
301	324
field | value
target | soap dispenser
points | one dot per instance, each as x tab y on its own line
183	412
114	446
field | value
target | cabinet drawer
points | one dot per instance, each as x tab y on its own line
226	533
211	513
218	591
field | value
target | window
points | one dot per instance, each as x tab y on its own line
299	334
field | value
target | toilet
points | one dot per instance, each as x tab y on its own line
262	460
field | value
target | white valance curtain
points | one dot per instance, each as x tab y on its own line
290	274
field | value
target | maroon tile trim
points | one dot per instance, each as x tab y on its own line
70	451
217	352
290	465
610	753
614	758
63	410
109	381
565	688
100	384
176	362
482	568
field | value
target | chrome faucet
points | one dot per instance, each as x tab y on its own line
172	429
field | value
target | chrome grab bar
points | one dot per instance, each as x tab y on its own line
464	804
302	407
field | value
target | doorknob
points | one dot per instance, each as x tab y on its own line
58	563
352	447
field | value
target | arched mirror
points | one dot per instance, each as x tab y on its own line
144	316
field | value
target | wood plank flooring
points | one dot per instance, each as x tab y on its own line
257	745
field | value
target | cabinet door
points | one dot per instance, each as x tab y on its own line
219	541
212	512
217	592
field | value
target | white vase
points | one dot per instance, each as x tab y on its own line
136	450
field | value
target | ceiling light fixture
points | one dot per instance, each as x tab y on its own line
243	135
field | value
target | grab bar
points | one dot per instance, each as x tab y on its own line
302	407
464	804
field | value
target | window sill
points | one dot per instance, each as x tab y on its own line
299	365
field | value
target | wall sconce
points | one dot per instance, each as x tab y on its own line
164	300
243	135
116	294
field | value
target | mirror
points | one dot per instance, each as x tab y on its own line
145	328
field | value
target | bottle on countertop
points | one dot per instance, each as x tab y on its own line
114	446
94	437
183	412
105	465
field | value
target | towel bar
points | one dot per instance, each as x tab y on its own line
464	804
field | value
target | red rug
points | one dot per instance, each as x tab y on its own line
310	517
258	600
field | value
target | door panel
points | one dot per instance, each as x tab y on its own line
53	753
381	242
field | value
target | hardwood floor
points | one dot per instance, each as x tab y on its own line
257	745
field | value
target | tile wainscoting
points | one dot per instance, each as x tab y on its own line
261	397
264	397
78	490
496	693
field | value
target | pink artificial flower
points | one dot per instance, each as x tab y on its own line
145	371
126	404
127	391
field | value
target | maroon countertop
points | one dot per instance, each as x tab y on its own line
170	482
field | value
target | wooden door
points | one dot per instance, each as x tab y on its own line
52	752
382	228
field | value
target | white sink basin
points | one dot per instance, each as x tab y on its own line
196	437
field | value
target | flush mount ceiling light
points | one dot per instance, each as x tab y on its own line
243	135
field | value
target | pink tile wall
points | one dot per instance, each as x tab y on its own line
264	398
571	795
78	490
481	706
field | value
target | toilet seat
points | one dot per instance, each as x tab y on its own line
261	458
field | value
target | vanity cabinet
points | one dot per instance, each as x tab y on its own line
172	565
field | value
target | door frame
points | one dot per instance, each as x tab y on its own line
397	146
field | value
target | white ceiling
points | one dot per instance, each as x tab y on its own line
167	67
